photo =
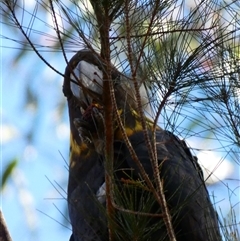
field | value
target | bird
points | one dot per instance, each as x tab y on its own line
137	214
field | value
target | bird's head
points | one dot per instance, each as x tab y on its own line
83	79
83	86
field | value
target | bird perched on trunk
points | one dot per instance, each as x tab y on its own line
137	215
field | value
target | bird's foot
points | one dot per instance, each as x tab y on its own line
91	127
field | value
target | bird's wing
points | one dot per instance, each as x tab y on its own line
193	216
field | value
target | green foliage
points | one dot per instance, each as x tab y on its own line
8	171
185	55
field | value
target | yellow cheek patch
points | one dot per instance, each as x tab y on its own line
129	130
77	150
95	104
136	128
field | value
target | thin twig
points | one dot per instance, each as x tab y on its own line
160	32
152	151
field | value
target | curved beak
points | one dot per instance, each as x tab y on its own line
89	76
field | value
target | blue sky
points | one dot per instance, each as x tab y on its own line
38	138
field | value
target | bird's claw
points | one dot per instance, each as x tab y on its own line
90	126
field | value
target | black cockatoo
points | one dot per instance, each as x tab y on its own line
193	216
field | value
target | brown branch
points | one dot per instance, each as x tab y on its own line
4	234
135	83
159	193
102	15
